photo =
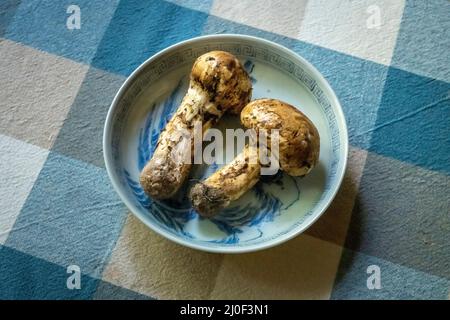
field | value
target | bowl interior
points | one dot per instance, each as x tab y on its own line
279	206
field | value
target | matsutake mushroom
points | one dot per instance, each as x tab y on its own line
298	153
218	83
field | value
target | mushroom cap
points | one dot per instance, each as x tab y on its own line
299	141
222	76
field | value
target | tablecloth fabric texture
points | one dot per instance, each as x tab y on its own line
58	208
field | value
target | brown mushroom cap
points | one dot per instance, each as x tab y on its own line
299	143
224	78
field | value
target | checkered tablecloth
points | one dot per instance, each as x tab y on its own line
389	63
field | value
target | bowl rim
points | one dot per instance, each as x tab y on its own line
107	152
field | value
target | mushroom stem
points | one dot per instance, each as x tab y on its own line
172	160
227	184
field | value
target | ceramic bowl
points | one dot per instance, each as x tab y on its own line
277	208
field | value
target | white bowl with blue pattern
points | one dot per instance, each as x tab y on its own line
277	208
